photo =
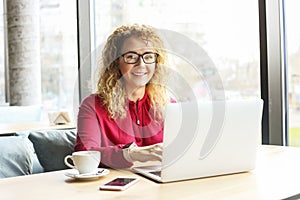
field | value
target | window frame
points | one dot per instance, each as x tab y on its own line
273	72
85	41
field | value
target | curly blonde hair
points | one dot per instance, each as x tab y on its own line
110	86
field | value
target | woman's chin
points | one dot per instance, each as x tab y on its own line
140	82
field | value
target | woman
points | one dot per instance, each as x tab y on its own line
124	119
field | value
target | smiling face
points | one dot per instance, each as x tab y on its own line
139	74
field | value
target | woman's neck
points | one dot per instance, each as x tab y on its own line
135	94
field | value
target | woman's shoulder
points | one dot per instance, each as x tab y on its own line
89	98
92	99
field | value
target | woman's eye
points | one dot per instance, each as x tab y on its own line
147	57
130	56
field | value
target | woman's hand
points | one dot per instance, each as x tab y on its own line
143	154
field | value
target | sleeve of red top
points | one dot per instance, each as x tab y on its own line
89	137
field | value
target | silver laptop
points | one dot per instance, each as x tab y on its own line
203	139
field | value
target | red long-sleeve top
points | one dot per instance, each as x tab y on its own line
97	131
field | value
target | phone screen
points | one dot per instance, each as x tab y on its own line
120	181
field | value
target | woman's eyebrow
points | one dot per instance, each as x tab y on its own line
138	53
130	52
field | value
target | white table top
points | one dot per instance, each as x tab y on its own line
277	176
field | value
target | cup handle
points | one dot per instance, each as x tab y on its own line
67	163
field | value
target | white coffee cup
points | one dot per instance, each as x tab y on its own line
84	161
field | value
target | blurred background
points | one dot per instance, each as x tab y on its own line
47	49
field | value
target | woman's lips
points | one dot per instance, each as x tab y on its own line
139	73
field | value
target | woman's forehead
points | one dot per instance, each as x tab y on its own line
137	44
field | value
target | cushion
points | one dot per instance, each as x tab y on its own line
16	156
51	147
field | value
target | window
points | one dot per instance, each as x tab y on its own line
279	71
2	60
58	25
231	40
293	62
58	54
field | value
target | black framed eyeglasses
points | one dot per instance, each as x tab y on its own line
133	57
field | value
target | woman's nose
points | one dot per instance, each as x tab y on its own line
141	61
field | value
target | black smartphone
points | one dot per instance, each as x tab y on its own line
119	183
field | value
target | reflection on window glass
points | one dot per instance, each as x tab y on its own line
226	30
292	16
58	53
2	61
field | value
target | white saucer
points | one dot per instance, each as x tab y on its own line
73	173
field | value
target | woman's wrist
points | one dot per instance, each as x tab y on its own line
126	151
